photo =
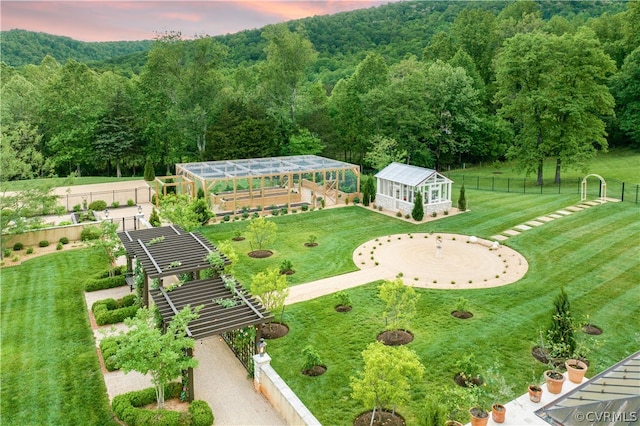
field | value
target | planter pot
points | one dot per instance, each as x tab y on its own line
554	381
535	393
452	423
498	412
576	370
479	417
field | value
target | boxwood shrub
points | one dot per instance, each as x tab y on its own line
111	311
127	408
18	246
98	205
64	240
90	233
102	280
44	243
109	347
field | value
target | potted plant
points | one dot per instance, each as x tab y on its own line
498	412
554	380
576	370
479	416
535	393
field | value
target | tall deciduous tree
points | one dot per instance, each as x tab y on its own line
626	89
289	54
145	349
552	89
384	151
386	379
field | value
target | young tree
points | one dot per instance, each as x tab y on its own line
19	210
387	377
418	209
178	209
149	173
561	333
368	190
271	288
261	233
462	200
145	349
109	243
400	303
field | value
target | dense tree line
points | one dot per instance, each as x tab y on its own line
502	80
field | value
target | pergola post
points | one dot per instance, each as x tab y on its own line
145	290
191	394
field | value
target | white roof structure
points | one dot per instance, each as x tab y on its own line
271	166
406	174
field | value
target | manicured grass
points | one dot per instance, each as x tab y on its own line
341	231
619	163
50	370
19	185
593	254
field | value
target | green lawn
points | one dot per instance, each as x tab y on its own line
622	164
50	370
20	185
592	254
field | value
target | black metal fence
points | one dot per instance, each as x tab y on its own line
242	344
624	191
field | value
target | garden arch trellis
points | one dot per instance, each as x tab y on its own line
168	251
603	188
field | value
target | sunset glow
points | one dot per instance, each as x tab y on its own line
89	20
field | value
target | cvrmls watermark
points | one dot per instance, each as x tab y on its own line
605	416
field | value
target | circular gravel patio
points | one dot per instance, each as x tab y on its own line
461	263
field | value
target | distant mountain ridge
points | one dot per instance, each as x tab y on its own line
22	47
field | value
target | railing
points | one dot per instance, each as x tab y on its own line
139	195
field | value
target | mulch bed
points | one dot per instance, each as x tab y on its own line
310	244
274	330
395	337
462	314
343	308
317	370
260	254
460	381
592	329
238	238
289	272
381	418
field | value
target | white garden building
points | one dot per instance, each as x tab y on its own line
398	184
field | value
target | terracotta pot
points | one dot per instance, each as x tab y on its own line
498	412
576	370
452	423
554	385
479	417
535	393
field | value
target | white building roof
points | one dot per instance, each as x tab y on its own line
407	174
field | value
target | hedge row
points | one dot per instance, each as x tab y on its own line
102	280
111	311
127	408
109	347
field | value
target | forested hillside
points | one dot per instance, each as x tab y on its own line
431	83
20	47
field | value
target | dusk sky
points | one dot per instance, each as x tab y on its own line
89	20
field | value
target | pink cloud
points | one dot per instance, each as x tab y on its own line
136	20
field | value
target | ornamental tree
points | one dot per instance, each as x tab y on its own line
261	233
145	349
387	377
400	303
271	288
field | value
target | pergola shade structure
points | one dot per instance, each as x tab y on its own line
398	184
167	251
213	319
274	180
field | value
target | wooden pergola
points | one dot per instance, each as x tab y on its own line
260	175
169	251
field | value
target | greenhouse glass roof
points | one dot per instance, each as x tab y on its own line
229	169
